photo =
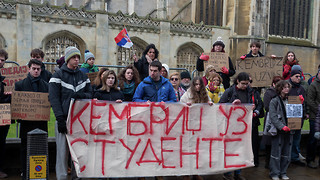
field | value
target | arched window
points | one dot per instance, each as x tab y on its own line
187	56
125	54
2	42
55	44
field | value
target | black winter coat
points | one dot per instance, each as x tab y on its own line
113	95
143	67
45	74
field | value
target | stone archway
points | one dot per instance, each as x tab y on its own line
124	55
187	55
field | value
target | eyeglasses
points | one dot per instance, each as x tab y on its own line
174	79
297	76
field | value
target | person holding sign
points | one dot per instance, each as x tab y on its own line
224	72
109	90
33	83
128	82
282	141
69	82
88	66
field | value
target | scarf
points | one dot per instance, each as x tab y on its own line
128	88
92	69
294	85
34	82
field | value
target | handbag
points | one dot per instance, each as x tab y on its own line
270	129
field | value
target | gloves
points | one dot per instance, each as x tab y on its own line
301	98
204	57
224	70
254	114
78	95
62	124
317	135
243	57
212	87
286	69
285	128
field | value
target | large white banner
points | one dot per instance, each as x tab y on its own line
109	139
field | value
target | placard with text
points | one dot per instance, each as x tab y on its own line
218	60
5	114
13	74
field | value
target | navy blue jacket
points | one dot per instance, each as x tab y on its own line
147	90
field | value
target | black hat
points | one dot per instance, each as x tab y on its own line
219	42
185	74
294	72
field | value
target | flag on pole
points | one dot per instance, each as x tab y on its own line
123	39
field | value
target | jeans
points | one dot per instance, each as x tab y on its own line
296	145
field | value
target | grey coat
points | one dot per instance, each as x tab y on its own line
277	114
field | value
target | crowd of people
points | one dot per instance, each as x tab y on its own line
148	80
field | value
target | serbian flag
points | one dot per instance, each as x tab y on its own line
123	39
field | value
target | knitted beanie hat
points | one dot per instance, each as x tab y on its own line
219	42
296	67
185	74
294	72
71	51
88	55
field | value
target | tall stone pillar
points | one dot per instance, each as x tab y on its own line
24	33
102	39
164	50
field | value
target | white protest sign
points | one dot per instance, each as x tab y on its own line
108	139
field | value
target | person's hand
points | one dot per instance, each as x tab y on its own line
286	69
148	59
317	135
188	103
254	114
210	103
273	56
118	101
224	70
204	57
286	129
7	93
134	57
301	98
243	57
212	87
62	126
236	102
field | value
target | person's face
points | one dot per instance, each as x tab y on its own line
197	85
175	81
186	81
2	61
128	74
285	90
151	53
255	49
212	71
243	85
35	70
216	81
217	48
154	73
90	61
110	80
74	62
290	57
164	72
37	57
296	78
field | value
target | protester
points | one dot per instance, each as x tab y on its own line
311	79
185	80
254	50
297	90
210	70
97	83
4	98
196	93
88	66
39	55
214	87
33	83
174	78
60	62
109	90
282	141
224	72
69	82
128	82
165	71
268	95
149	55
238	93
313	102
155	88
289	60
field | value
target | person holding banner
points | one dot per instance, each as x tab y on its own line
69	82
109	90
38	54
280	143
33	83
88	66
240	92
224	72
149	55
4	98
128	82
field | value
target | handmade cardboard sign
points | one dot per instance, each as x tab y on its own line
261	69
108	139
33	106
218	60
92	76
5	114
294	112
13	74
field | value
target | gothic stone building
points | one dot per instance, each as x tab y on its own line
180	29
